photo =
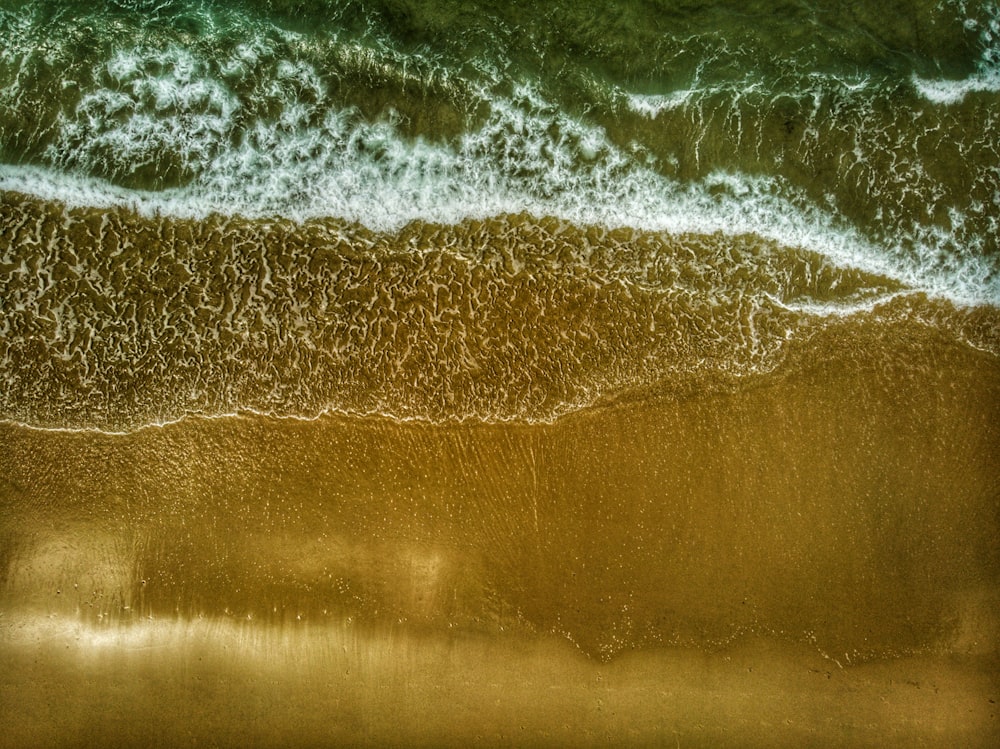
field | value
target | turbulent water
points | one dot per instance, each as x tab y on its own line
442	211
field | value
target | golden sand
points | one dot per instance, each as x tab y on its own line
809	559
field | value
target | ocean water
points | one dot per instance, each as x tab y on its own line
307	207
638	325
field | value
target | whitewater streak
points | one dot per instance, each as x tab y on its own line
437	184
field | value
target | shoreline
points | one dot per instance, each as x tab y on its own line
847	507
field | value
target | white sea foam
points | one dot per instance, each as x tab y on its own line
652	105
318	159
947	92
368	173
160	101
986	79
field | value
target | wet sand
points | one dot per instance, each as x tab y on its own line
235	684
809	559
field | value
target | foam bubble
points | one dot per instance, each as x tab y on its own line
162	110
947	92
986	79
652	105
